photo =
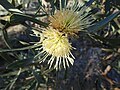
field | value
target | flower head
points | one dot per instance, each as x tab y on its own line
55	46
71	20
65	22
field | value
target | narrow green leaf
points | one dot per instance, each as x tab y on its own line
20	18
47	71
118	31
89	3
13	73
102	23
8	6
63	4
19	63
19	49
14	80
113	42
32	85
39	78
107	49
5	35
11	84
6	58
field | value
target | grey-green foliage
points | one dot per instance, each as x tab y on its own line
20	70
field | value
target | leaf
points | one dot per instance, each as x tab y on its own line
47	71
19	63
118	31
3	11
107	50
20	18
6	57
5	35
24	43
86	5
13	73
32	85
102	23
112	42
8	6
15	79
5	18
15	11
7	42
19	49
89	3
38	76
11	84
63	4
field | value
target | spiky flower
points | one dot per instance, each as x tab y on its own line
65	22
71	20
56	49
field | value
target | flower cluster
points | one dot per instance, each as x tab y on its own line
55	45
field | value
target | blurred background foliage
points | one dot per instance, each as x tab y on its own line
97	64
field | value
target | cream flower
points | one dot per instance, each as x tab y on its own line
65	22
55	48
